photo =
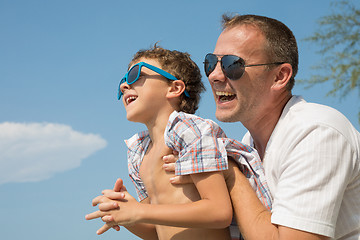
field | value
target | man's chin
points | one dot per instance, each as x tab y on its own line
224	117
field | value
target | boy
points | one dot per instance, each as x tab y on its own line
160	90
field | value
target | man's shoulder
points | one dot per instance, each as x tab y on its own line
299	113
299	118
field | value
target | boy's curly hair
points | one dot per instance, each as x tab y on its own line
182	67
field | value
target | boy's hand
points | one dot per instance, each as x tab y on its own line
114	212
169	166
118	187
105	204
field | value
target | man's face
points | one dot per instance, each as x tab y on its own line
244	98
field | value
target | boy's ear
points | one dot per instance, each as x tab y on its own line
283	76
176	88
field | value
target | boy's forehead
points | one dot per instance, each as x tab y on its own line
150	61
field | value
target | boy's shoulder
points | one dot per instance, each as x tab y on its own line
138	140
184	128
178	118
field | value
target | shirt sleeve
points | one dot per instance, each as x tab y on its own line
251	166
134	155
196	140
138	183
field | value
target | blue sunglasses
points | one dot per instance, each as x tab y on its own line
134	73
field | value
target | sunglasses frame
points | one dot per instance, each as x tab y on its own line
243	65
151	67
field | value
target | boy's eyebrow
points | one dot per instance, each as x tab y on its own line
153	75
149	73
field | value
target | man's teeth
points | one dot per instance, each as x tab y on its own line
130	99
224	94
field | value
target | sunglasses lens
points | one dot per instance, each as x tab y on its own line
233	66
210	63
133	74
119	91
122	81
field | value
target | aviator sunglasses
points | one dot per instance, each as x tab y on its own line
134	74
232	66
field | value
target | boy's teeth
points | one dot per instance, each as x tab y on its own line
130	99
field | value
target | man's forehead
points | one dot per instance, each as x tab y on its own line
239	39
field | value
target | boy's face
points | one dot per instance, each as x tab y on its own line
145	98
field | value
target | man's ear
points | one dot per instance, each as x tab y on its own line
283	75
176	88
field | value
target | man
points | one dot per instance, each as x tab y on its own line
310	152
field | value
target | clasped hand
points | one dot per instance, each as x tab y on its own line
116	207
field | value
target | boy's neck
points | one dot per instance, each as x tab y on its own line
157	127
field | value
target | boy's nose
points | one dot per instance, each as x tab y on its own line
124	86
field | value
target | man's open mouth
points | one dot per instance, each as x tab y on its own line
225	96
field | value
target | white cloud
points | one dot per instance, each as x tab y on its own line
32	152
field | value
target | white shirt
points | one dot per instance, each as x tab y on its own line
313	170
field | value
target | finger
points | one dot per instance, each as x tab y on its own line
114	195
107	219
186	179
94	215
119	185
99	199
169	167
170	158
116	227
103	229
108	206
106	190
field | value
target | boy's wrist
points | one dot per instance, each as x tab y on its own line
140	215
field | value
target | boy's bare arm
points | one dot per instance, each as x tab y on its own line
203	213
212	211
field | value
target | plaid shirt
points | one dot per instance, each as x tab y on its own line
203	147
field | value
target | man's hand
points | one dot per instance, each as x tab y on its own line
169	166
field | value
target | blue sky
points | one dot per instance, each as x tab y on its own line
61	126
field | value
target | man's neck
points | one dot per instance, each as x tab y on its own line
262	128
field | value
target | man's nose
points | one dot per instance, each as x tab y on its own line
217	74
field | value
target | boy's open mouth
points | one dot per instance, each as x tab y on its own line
130	99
